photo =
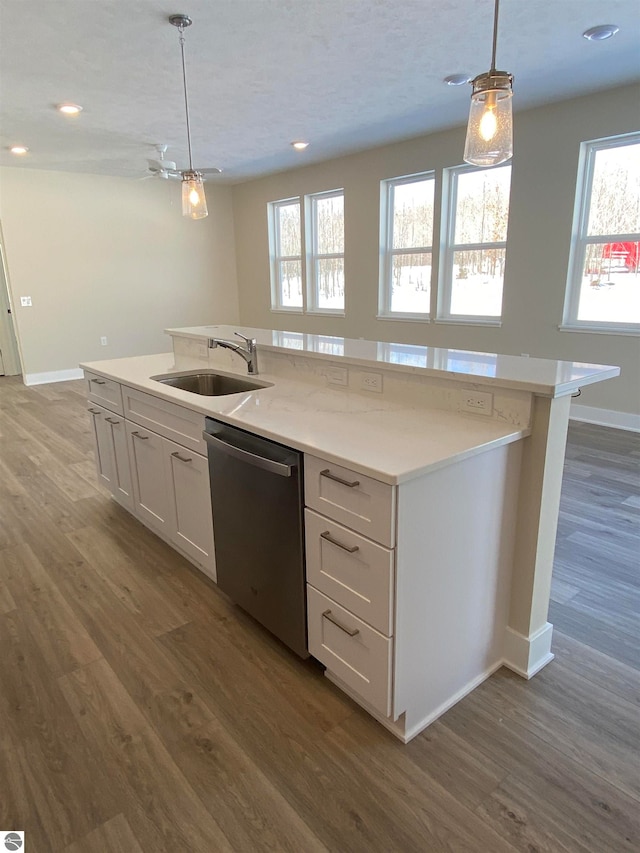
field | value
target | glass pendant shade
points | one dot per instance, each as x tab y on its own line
194	202
490	129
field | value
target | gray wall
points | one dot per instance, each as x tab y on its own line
546	146
113	257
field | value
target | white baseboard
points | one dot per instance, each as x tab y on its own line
527	655
53	376
605	417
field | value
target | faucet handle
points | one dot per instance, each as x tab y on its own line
250	341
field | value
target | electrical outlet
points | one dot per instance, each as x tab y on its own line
103	341
480	402
337	376
25	301
371	382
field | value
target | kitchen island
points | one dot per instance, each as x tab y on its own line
458	463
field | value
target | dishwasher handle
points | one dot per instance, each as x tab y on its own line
279	468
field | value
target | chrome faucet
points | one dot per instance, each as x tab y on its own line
250	354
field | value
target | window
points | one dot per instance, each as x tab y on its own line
603	286
312	281
406	246
325	252
286	255
474	244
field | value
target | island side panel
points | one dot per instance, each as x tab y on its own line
456	535
528	637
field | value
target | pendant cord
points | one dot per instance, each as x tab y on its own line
495	36
186	98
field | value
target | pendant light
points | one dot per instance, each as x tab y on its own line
490	129
194	202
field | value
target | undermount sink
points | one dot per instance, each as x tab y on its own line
211	384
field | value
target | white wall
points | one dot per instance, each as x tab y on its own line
546	146
111	256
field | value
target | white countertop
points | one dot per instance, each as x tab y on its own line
536	375
388	441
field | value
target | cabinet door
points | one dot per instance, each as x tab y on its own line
190	519
146	453
104	451
121	486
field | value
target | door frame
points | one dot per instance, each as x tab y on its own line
9	340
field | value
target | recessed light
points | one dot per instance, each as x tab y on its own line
601	32
69	109
456	79
18	149
300	146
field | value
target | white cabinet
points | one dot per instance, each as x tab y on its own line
350	579
163	483
146	452
190	519
112	458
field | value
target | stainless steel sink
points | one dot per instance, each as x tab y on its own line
211	384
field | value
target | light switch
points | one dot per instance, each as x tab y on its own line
25	301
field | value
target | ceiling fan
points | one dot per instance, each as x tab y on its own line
161	168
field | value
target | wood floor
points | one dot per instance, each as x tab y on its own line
140	711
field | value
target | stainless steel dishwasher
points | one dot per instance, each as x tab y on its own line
257	504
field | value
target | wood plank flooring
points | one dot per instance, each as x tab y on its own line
141	711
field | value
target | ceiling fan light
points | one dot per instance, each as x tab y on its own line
194	201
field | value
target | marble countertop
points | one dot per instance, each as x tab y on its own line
542	376
389	441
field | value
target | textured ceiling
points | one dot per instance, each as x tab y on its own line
344	74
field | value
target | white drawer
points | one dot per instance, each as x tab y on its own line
104	391
356	653
352	570
174	422
361	503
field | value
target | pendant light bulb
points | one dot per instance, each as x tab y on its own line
194	202
489	139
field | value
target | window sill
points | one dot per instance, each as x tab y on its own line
600	329
411	318
327	312
469	321
286	310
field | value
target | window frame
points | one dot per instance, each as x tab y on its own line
276	259
580	239
387	252
448	248
312	256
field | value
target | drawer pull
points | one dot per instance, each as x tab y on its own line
139	435
350	483
100	381
95	411
182	458
112	420
326	535
350	631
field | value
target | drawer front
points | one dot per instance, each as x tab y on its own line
361	503
174	422
356	653
351	570
104	391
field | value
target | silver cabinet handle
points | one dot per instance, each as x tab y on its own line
182	458
139	435
350	631
327	473
99	381
326	535
112	420
95	411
